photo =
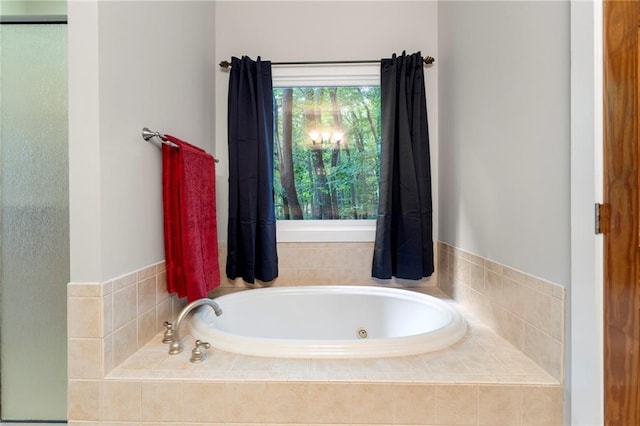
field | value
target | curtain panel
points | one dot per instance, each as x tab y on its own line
404	242
251	239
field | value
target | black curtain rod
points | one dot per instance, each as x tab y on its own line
428	60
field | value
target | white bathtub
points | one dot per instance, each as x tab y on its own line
329	322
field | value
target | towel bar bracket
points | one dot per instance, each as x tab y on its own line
148	135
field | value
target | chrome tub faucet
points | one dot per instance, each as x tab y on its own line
175	345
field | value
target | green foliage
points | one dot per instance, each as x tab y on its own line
347	175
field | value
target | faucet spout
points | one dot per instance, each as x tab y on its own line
176	345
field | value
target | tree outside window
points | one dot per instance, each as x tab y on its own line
327	145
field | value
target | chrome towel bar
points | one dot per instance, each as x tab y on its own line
148	135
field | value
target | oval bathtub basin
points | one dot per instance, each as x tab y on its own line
329	322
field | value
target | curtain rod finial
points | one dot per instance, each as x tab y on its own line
225	64
429	60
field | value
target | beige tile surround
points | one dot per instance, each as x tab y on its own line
324	263
119	373
525	310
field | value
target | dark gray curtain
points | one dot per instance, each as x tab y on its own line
404	242
251	240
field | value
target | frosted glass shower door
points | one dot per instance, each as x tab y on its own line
34	221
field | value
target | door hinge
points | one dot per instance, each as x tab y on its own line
602	218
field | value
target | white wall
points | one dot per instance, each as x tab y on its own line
505	133
520	140
131	64
308	31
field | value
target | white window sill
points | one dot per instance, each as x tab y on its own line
325	231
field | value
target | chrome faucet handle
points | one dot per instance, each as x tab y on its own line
197	354
168	332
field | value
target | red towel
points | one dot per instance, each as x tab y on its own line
190	224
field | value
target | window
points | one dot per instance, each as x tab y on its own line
326	152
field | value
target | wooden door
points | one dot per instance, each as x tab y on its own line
622	207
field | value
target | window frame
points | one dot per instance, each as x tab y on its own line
335	230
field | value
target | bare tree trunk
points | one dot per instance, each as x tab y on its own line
286	158
278	151
352	189
373	131
322	204
373	127
335	153
323	200
358	196
359	138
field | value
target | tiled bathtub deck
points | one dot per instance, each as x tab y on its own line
482	380
481	357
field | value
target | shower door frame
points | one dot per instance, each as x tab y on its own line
28	20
